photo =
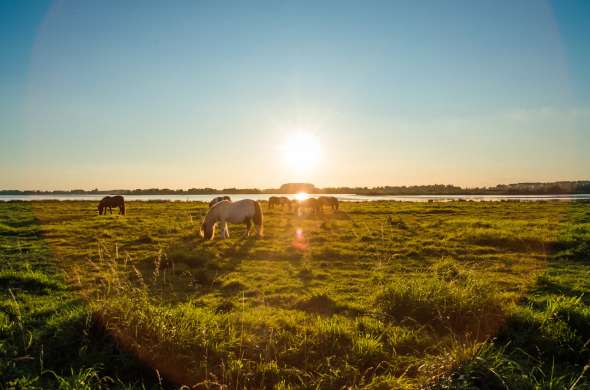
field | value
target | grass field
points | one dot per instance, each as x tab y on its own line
376	295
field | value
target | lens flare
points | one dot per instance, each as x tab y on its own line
299	242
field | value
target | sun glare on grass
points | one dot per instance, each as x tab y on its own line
302	150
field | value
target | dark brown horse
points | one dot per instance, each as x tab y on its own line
310	203
279	201
214	201
110	202
330	201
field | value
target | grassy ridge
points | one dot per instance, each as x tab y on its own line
377	295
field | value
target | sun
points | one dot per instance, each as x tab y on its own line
301	196
302	150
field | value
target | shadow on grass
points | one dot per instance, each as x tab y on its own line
545	343
192	267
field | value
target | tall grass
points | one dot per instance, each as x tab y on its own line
469	307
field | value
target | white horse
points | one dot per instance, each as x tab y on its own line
245	211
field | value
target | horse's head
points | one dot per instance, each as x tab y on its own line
100	208
207	230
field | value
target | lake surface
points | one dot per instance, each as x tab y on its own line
341	197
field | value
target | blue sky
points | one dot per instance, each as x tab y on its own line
191	94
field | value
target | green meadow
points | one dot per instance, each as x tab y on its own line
376	295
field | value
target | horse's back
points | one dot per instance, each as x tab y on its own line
241	210
311	202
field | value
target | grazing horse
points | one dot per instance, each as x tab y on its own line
246	211
110	202
279	201
273	201
214	201
313	204
286	202
330	201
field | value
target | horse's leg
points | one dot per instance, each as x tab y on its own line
248	226
224	231
111	210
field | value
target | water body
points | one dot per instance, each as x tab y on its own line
341	197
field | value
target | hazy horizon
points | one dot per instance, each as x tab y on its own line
270	187
197	94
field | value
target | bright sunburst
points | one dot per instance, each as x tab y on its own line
301	196
302	150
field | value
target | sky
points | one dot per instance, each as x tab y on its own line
182	94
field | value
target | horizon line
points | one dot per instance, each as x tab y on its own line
96	189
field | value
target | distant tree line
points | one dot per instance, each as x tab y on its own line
552	188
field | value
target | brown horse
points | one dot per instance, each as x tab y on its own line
286	202
330	201
110	202
273	201
279	201
313	204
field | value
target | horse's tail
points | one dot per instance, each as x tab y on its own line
258	217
